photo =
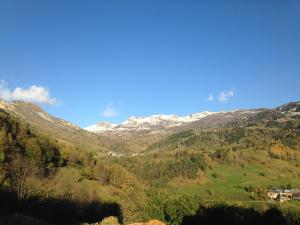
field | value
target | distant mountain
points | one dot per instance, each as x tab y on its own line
286	111
221	119
101	126
171	123
32	112
58	129
201	120
137	133
154	122
292	108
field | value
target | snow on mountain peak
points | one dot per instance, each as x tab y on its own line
101	126
138	123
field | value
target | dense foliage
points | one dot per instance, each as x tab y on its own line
158	169
24	154
174	180
171	208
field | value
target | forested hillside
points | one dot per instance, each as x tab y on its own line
24	154
180	178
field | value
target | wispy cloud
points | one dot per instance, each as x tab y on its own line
210	98
224	96
34	93
109	111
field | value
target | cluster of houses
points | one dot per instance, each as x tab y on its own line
284	194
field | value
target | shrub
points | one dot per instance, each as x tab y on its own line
110	221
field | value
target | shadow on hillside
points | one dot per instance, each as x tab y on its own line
58	211
233	215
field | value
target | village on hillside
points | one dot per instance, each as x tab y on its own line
284	194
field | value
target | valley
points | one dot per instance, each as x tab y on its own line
206	158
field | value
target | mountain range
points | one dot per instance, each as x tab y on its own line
136	132
169	123
219	156
59	129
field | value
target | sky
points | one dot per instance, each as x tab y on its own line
90	61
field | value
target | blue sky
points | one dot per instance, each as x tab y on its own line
88	61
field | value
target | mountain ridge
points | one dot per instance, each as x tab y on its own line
138	132
158	121
200	120
57	128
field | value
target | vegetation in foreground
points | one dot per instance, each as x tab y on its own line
180	179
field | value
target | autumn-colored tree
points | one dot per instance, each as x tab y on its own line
18	170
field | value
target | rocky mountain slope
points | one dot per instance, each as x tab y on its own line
171	123
58	129
202	120
137	133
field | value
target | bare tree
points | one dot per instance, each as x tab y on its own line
19	169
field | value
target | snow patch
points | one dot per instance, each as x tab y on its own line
102	126
147	123
45	116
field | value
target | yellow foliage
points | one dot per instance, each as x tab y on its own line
284	152
110	221
150	222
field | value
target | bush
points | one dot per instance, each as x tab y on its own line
170	208
110	221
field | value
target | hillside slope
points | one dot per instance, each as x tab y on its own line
59	129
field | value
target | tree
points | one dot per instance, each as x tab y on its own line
171	208
18	170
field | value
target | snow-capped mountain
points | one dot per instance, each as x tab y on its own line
154	122
101	126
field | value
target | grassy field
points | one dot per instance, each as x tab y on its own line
227	183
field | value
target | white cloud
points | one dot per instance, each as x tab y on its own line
225	95
210	98
37	94
109	112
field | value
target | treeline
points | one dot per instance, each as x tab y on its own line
178	209
129	178
235	137
170	207
158	169
225	143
